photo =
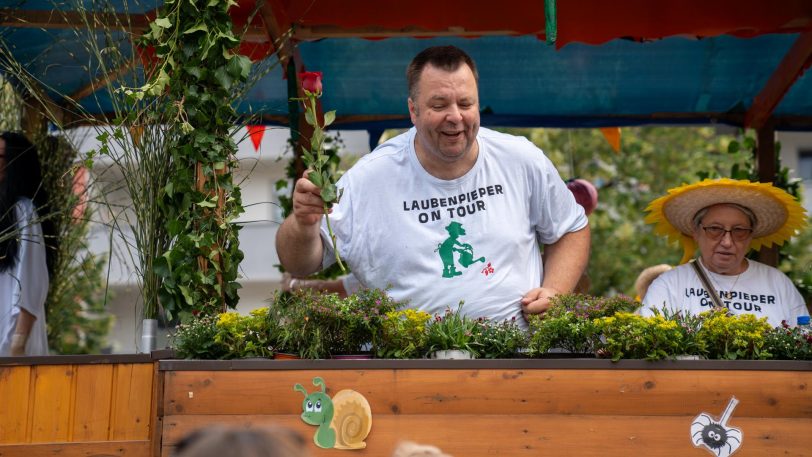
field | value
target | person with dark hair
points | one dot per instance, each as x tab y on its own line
222	441
500	192
24	266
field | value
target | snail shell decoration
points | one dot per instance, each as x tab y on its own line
343	421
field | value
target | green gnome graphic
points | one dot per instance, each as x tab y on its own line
447	248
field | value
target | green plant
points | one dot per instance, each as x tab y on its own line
403	334
499	340
734	336
319	163
361	316
245	336
788	343
568	323
316	326
633	336
197	339
453	330
78	322
688	325
200	73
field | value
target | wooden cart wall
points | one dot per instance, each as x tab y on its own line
509	407
78	406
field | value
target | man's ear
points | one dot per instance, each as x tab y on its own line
412	110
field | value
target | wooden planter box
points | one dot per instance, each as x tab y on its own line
136	405
577	407
78	405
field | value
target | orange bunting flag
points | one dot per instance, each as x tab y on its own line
612	135
256	132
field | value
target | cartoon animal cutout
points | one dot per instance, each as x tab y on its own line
716	436
343	421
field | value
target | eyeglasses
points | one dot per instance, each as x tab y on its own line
715	232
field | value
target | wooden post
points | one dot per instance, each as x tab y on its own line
765	162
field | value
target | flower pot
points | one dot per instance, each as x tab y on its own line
688	357
149	335
285	356
452	354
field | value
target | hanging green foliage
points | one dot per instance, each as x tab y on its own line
194	41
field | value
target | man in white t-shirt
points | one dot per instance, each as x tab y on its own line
447	211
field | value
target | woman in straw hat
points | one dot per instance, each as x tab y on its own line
725	218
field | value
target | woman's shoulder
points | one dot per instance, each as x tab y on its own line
24	208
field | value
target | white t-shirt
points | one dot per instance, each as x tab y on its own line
25	285
760	290
436	242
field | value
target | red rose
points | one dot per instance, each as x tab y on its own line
311	81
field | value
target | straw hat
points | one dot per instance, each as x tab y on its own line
778	214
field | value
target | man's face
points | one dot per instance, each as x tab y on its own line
725	254
2	159
445	112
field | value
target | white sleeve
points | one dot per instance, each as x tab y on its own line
351	284
554	211
657	296
31	270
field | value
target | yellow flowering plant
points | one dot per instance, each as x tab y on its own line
631	336
402	335
734	337
245	336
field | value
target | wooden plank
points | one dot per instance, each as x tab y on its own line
532	435
105	449
156	410
14	389
91	419
131	404
611	392
790	68
51	412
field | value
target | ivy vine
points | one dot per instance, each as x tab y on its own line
200	73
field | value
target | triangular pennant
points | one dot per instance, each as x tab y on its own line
256	132
612	135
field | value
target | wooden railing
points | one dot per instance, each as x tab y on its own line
137	405
78	405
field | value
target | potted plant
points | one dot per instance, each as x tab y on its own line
305	317
316	326
452	336
691	346
567	326
734	337
631	336
499	340
788	343
403	334
359	319
195	338
245	336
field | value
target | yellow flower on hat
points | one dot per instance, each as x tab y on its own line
778	214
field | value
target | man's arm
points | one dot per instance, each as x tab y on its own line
298	242
564	263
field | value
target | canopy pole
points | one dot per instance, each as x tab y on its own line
765	162
550	24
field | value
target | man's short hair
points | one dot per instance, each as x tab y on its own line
447	58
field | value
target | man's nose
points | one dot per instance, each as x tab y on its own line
454	114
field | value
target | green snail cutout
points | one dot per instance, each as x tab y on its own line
343	421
